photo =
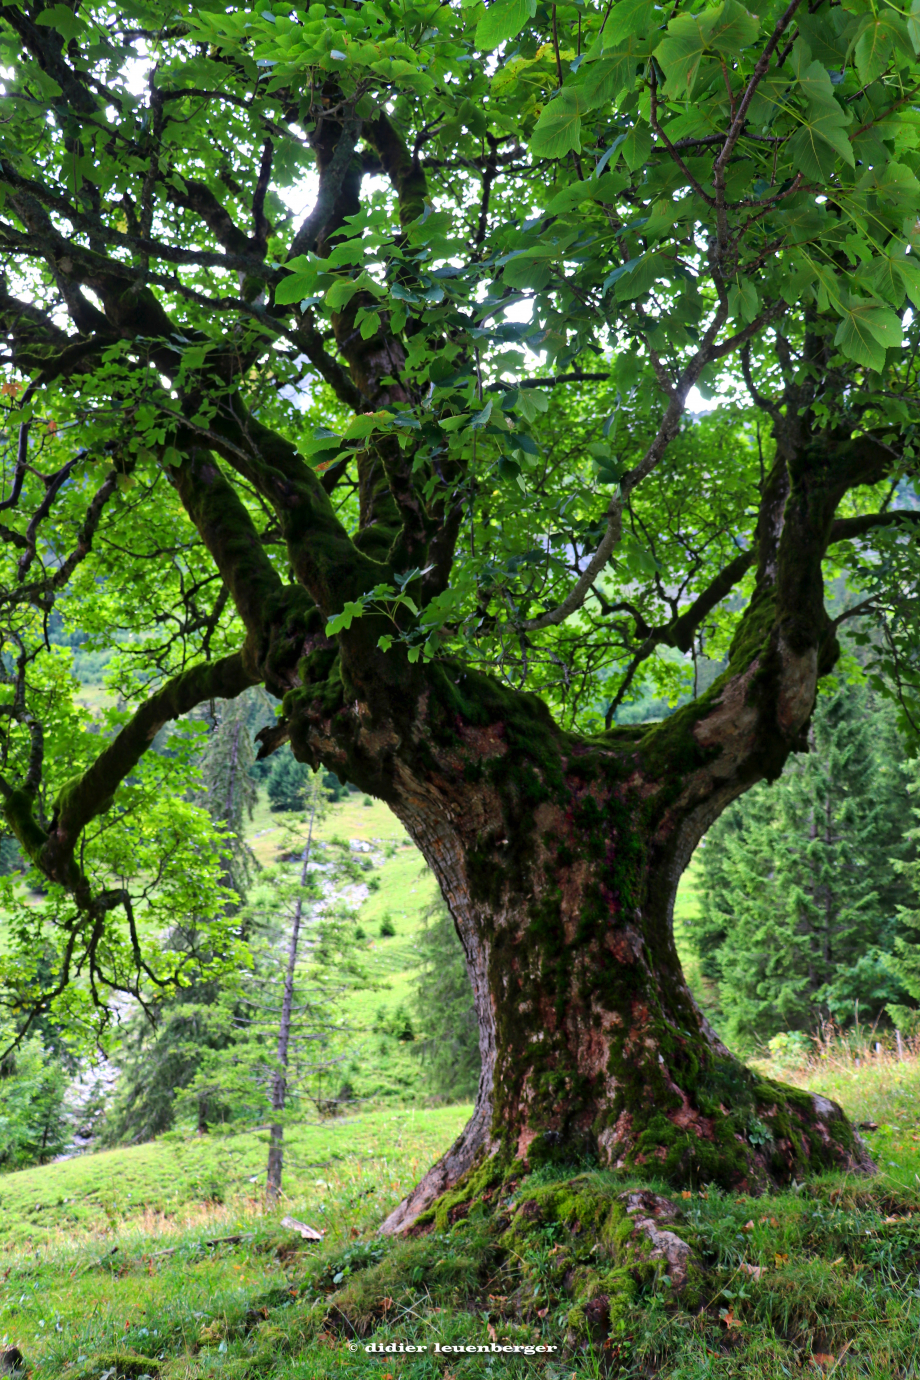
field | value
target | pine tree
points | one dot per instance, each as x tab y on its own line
230	793
287	783
444	1005
33	1118
799	893
289	1037
906	961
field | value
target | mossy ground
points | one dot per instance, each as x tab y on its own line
822	1276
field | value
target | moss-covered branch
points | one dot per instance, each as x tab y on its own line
403	168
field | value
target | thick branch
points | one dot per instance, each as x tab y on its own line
680	633
330	184
548	381
91	794
846	529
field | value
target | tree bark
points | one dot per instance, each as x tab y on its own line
560	863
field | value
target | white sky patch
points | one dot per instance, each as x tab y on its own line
697	403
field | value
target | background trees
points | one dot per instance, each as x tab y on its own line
800	882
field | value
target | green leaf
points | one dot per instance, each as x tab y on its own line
628	17
370	325
913	25
895	185
769	95
361	426
525	444
558	130
615	72
294	287
681	52
866	330
502	21
909	273
887	280
794	282
531	269
743	301
531	401
638	282
812	148
340	621
637	146
341	293
827	44
479	419
63	19
873	49
734	29
570	197
828	286
814	83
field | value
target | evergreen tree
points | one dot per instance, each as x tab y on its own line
33	1120
906	961
444	1004
230	793
288	1038
799	893
288	782
10	856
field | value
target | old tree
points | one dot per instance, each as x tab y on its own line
349	351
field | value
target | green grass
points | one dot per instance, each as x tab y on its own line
121	1263
183	1178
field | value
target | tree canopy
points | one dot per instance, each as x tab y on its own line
376	327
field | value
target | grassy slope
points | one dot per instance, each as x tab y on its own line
835	1270
164	1184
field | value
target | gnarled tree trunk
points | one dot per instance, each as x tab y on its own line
560	856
